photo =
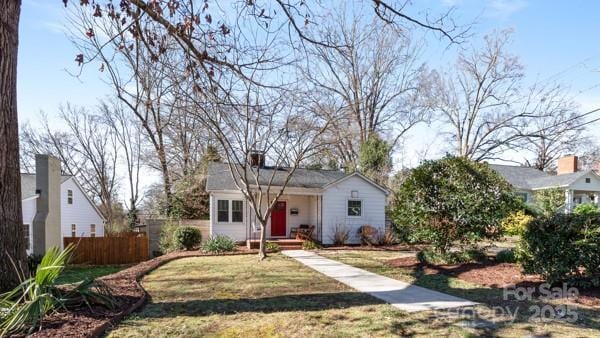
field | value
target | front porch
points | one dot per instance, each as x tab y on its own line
294	215
574	197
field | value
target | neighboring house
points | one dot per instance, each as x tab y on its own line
55	206
324	198
579	186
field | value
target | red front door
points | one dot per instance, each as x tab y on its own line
278	226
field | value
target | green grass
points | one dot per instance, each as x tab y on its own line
235	296
588	322
74	274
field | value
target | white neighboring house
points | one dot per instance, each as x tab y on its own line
70	212
580	186
323	198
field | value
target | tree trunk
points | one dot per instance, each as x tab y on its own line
12	241
262	249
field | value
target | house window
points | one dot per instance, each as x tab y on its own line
92	230
354	207
588	180
223	211
26	234
70	196
523	196
73	230
577	200
237	211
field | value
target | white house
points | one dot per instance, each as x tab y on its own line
580	186
55	206
323	198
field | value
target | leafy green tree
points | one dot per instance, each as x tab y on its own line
549	201
453	200
374	159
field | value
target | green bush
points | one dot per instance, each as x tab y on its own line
167	231
549	201
187	238
562	248
506	256
515	223
272	246
453	200
218	244
428	256
310	245
586	209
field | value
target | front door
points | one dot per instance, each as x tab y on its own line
278	226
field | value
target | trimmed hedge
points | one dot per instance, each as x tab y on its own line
562	248
187	237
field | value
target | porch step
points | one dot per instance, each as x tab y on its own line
284	244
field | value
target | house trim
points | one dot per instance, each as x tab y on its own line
356	173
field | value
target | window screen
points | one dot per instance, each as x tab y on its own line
354	207
222	211
237	211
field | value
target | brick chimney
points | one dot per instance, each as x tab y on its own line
46	223
567	165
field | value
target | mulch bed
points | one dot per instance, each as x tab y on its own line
491	274
358	247
126	288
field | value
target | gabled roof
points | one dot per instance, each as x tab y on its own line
563	180
28	185
219	177
531	178
365	178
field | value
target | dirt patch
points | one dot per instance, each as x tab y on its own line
491	274
85	322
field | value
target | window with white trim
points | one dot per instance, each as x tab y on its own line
223	211
237	211
354	208
70	196
73	230
26	234
92	230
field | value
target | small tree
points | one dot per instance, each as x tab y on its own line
549	201
454	199
374	159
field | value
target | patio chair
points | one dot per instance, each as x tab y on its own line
305	234
294	230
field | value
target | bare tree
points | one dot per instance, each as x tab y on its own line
477	99
238	66
87	149
12	241
129	137
556	128
373	76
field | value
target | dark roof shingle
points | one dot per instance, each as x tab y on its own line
219	177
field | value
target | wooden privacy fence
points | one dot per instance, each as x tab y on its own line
126	249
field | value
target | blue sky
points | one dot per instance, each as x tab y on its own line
556	40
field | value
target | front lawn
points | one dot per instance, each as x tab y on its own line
492	299
77	273
233	296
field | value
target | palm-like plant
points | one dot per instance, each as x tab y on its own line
24	307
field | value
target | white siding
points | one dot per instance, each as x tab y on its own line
237	231
81	212
580	184
335	203
29	208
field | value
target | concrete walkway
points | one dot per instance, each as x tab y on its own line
404	296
